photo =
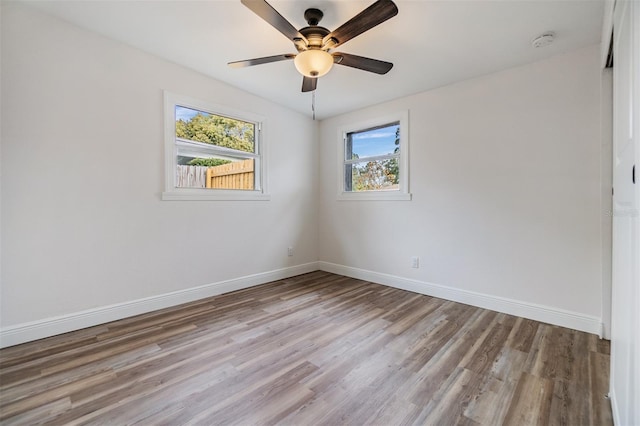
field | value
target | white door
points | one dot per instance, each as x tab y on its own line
625	318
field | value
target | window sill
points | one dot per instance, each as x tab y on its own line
374	196
219	195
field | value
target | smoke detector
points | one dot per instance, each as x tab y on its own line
543	40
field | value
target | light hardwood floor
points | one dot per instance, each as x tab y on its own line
314	349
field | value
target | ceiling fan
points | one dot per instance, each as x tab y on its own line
314	42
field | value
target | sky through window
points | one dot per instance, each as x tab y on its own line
375	142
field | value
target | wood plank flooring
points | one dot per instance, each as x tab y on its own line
314	349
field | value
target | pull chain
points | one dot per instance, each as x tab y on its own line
313	104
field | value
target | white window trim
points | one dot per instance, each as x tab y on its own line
403	193
171	193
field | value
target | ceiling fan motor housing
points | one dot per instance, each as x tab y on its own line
314	35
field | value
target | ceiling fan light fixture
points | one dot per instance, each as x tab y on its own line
313	63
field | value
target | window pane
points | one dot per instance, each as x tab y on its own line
382	140
216	173
372	175
214	129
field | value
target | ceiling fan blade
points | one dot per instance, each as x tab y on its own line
277	21
309	84
259	61
374	15
362	63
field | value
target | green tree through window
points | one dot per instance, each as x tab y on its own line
216	130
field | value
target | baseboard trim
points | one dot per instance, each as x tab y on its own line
532	311
26	332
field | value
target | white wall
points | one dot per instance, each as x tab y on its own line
83	225
505	177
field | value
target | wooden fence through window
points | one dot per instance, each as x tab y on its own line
235	175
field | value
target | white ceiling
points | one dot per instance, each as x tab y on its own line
431	43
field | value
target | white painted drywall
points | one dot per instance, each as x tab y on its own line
83	225
505	177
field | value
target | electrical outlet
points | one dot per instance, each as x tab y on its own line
290	251
415	262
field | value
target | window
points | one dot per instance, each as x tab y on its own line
212	152
373	160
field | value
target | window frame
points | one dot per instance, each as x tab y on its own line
171	192
402	194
